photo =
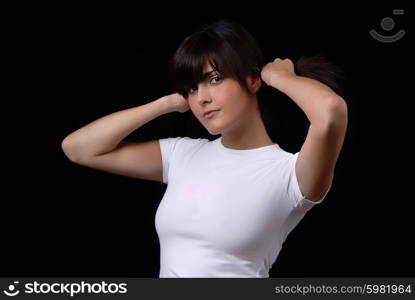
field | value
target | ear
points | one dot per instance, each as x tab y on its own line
254	83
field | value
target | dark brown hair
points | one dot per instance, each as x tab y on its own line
231	50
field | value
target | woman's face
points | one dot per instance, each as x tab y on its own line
217	93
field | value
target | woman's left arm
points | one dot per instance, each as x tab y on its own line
327	113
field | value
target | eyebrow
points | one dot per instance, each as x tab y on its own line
208	73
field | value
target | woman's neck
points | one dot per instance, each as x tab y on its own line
249	133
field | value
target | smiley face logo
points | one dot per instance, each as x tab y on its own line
12	290
387	24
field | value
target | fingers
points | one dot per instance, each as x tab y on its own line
282	59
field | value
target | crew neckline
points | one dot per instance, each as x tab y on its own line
242	151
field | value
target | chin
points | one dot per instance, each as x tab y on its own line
214	131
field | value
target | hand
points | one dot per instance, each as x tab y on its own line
178	103
274	71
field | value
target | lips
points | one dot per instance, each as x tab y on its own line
208	113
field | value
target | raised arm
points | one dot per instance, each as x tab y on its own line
327	113
100	143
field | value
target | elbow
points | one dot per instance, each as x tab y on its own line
334	115
335	103
69	149
337	111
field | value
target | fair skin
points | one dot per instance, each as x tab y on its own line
241	127
327	113
238	121
99	145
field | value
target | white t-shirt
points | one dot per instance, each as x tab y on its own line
225	212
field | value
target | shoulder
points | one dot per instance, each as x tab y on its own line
284	157
182	144
184	140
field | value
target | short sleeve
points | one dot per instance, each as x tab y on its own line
294	192
175	151
167	147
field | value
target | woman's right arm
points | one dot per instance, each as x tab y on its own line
100	143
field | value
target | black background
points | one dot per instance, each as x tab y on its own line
73	64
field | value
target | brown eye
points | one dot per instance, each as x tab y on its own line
216	79
192	89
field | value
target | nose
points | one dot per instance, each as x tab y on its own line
203	94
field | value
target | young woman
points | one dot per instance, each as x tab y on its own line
231	202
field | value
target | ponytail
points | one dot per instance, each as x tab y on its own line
315	67
319	68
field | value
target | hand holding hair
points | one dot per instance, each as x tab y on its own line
272	72
177	102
